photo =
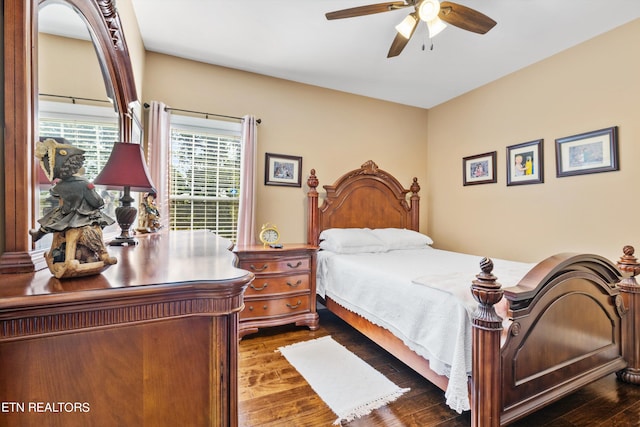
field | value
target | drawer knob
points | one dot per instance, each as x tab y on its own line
250	308
254	268
294	306
259	289
294	266
293	285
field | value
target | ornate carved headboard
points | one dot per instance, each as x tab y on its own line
364	197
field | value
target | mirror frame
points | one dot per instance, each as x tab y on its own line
21	106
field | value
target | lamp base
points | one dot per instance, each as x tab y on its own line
123	241
125	215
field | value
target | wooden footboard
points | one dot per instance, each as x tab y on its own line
566	330
566	318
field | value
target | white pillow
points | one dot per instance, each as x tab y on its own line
350	241
402	238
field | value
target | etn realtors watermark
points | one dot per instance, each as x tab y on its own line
44	407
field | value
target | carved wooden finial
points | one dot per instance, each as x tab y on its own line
629	263
415	187
485	279
486	265
312	181
487	292
369	167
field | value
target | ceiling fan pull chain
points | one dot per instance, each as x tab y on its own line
424	42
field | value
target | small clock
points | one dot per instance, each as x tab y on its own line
269	234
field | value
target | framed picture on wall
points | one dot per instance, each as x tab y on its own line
479	169
525	163
589	152
280	169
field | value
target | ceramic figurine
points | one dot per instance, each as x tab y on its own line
78	248
148	214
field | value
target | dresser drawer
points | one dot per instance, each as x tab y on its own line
277	285
268	266
274	307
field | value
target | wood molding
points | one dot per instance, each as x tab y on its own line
54	323
18	136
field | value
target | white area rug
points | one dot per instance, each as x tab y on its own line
347	384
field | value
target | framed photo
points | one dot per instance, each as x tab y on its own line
280	169
525	163
590	152
479	169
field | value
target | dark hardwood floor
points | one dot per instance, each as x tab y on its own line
272	393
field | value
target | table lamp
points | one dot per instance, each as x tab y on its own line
126	169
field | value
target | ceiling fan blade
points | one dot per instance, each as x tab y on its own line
366	10
400	41
465	18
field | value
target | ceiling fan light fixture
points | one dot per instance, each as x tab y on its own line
407	26
428	10
435	27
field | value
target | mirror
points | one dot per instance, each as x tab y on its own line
21	107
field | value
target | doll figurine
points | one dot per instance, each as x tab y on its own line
78	248
148	214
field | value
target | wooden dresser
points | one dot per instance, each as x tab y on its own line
152	341
284	289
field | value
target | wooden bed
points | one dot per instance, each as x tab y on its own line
571	320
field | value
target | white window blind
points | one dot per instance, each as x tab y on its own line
92	129
205	175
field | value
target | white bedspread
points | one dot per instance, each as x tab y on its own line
422	296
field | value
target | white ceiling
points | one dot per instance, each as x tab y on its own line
293	40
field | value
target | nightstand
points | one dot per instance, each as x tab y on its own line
284	288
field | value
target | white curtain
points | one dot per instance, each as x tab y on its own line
248	170
158	152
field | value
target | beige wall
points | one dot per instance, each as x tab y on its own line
592	86
333	131
69	67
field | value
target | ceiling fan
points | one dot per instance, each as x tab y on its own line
433	12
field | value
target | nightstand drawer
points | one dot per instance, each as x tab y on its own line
278	285
274	307
268	266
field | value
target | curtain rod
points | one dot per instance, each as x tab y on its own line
74	98
146	105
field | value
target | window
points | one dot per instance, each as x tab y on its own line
205	175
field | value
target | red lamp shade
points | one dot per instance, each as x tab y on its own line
125	168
